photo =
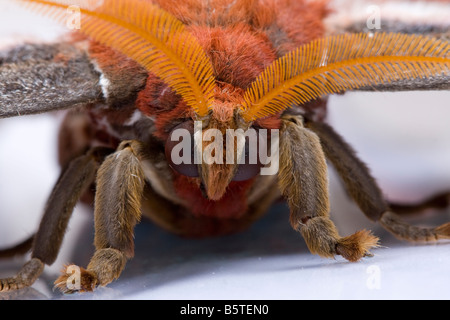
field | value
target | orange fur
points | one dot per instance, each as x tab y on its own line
299	22
357	245
238	53
226	100
88	280
232	205
256	13
241	38
272	122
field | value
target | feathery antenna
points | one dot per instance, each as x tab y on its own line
151	37
344	62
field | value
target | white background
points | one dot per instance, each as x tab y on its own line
404	137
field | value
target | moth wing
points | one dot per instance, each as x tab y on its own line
404	16
401	16
37	78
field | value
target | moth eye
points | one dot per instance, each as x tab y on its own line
246	172
179	149
252	165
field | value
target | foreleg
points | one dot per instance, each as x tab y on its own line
366	193
73	182
120	186
303	181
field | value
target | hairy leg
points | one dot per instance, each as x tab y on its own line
438	201
303	182
74	180
120	186
366	193
19	249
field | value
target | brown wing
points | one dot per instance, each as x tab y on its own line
41	78
405	16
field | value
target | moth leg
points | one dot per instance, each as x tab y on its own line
19	249
120	186
72	183
438	201
365	191
303	182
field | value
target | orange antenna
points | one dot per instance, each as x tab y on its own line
151	37
344	62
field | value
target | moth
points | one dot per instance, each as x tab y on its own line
155	91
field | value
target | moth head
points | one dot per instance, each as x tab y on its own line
215	149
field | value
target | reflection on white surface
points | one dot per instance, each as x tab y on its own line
403	137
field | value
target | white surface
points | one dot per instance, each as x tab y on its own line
404	138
